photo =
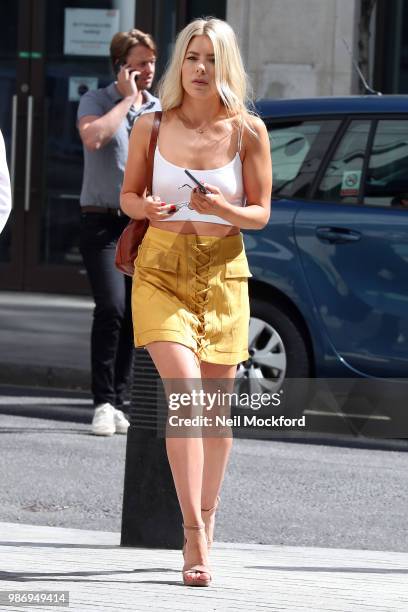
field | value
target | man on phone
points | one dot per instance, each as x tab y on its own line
105	119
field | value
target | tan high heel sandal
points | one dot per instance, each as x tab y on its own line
198	568
207	515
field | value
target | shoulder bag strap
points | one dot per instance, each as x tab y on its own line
152	148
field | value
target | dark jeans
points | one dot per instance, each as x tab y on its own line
112	330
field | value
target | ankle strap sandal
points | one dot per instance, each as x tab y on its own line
207	514
203	579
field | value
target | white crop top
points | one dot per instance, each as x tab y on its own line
167	178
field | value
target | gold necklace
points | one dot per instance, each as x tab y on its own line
187	122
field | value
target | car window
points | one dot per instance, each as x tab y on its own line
341	181
387	174
297	149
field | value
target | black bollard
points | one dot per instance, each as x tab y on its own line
151	514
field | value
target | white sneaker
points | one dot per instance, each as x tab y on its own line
103	422
121	422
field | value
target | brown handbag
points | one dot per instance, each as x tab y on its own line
132	236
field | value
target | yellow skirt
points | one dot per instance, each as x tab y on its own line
193	290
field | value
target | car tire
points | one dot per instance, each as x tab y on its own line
278	352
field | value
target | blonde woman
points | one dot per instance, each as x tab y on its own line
190	288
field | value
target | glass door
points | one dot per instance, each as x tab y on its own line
14	77
62	51
66	39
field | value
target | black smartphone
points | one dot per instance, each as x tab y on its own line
197	182
118	66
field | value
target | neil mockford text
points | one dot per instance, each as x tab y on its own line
212	401
236	421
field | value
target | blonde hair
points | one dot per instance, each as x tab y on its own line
231	79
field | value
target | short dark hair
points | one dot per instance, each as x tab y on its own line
122	42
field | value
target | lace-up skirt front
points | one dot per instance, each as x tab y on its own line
193	290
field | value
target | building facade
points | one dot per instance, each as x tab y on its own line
294	48
51	51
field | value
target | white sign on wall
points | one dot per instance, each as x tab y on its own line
89	31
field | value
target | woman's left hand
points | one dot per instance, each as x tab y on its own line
212	203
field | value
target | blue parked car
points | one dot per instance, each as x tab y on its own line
329	293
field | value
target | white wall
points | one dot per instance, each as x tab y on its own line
294	48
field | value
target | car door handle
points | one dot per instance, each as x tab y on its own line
337	235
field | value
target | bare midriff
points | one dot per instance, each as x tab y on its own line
199	228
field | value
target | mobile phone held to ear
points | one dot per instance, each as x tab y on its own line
119	65
197	182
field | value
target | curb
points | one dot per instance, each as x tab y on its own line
50	413
44	376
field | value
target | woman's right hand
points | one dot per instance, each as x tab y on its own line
155	209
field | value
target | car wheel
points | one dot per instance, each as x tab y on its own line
277	351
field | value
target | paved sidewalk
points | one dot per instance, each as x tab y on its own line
102	576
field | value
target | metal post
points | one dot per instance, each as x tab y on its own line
151	515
